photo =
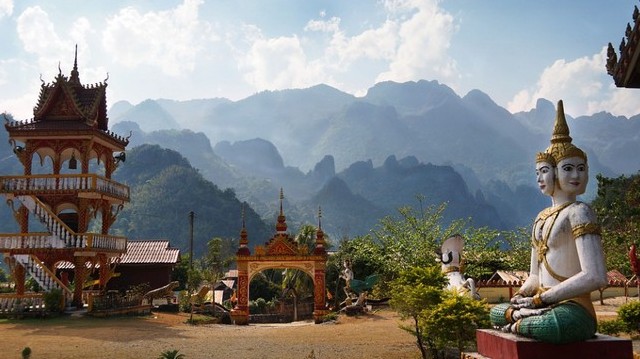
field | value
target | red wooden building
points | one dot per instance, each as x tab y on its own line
65	200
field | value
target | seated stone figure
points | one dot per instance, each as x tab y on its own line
567	260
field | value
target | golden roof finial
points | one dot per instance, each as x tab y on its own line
244	241
561	146
320	250
75	75
281	198
242	214
281	226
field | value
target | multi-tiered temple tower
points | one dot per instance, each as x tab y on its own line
68	155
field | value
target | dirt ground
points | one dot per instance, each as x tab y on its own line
374	335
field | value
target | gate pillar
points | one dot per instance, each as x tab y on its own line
240	313
319	306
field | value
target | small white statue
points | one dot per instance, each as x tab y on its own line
451	258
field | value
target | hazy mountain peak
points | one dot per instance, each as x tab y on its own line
410	97
119	108
149	115
252	154
480	98
326	167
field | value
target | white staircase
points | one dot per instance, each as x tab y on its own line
66	237
61	236
39	272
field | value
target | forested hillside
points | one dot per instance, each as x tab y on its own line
165	188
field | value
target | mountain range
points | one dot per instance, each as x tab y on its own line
357	159
377	152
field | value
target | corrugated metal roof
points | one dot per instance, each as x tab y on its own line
142	252
158	251
511	276
615	275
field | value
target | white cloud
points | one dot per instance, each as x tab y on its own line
279	63
424	37
38	34
17	94
374	44
411	44
6	8
170	40
40	37
584	87
332	25
620	101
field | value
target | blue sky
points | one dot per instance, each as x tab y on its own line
515	51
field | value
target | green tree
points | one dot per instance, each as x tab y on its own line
412	239
218	258
617	205
295	280
181	272
418	290
266	285
487	250
440	319
365	254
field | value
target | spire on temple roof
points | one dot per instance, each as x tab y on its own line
244	241
75	75
320	242
281	226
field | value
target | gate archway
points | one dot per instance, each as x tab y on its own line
280	252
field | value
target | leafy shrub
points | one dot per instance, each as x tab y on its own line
32	285
629	314
331	316
441	320
26	353
171	354
258	306
198	319
185	301
54	301
612	327
261	306
453	322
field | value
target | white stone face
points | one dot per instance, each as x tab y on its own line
545	177
572	176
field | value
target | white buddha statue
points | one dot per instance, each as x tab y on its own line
567	260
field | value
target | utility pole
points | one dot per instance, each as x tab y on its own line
191	215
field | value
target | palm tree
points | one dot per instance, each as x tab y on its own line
294	281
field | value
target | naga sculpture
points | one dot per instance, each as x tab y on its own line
162	292
451	258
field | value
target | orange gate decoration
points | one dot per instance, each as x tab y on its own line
281	251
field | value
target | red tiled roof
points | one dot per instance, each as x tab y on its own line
157	251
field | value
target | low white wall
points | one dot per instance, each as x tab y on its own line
502	294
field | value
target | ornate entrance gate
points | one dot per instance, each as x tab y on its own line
280	252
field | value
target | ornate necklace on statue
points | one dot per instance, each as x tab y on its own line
541	245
